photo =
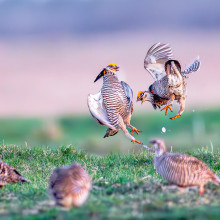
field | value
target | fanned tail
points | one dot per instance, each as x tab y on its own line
193	67
110	132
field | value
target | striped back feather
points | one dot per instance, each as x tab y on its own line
183	170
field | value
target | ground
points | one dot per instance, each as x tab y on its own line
124	187
125	183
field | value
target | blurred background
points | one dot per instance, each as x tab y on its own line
52	50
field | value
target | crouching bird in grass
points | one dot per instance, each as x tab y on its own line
9	174
113	105
70	185
181	169
169	80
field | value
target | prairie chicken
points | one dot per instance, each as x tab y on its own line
113	105
9	174
70	185
169	80
181	169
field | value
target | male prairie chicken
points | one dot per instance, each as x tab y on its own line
9	174
169	80
181	169
113	105
70	185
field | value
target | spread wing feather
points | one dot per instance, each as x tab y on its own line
129	94
97	110
155	59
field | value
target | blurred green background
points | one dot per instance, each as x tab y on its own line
195	129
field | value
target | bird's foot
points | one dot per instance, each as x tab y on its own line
134	130
136	141
177	116
167	107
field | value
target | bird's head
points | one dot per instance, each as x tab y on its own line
112	68
143	96
159	146
172	66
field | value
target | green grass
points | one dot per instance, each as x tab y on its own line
125	186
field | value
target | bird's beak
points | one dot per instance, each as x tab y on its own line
138	99
151	148
100	75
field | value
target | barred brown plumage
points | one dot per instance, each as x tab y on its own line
113	105
70	185
181	169
169	80
9	174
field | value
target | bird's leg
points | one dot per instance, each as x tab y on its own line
201	190
123	128
133	129
136	141
172	97
182	107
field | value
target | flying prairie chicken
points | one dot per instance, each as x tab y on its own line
181	169
169	80
9	174
113	105
70	185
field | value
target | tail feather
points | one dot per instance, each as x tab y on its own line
192	67
110	132
216	180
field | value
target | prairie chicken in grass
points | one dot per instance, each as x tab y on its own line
70	185
181	169
9	174
169	80
113	105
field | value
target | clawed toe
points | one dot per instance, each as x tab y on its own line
166	108
134	130
177	116
136	141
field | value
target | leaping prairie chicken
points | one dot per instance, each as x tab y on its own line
9	174
181	169
70	185
113	105
169	80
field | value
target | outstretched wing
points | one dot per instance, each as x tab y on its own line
97	110
155	59
129	94
192	67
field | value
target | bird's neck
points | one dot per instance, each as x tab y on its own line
110	75
159	152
